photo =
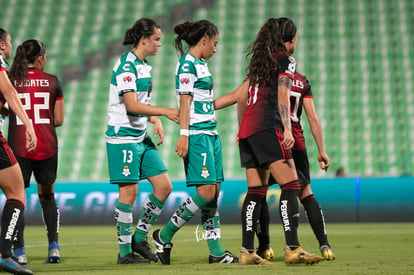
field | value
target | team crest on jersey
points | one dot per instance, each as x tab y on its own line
127	78
125	171
184	80
206	107
204	172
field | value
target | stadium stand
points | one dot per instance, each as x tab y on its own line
355	53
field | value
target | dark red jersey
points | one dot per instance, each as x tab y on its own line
38	95
300	89
262	111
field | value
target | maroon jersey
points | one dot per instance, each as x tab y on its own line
38	96
262	111
300	89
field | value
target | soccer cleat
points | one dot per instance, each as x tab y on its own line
53	257
227	258
22	259
247	258
300	256
131	258
20	255
10	265
163	249
327	253
266	253
143	249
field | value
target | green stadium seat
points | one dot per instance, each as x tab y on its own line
346	49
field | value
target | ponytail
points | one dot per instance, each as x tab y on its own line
143	27
26	54
262	52
192	32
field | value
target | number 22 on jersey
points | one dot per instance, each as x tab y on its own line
26	102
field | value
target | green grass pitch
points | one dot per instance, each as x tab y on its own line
371	248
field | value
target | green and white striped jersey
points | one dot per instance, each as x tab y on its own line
5	67
193	78
128	74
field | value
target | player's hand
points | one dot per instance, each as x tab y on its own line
288	140
236	140
182	146
173	114
31	139
158	131
323	160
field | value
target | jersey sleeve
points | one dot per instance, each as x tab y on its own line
187	76
287	66
308	91
59	90
126	77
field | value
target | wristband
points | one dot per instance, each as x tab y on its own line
184	132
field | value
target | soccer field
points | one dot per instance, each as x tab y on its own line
372	248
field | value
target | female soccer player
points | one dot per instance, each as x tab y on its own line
301	97
132	156
199	144
11	180
42	96
265	137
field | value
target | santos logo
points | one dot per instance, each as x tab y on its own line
206	107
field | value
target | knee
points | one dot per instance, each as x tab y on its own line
209	196
162	191
128	194
16	193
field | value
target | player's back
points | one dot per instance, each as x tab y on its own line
38	93
300	89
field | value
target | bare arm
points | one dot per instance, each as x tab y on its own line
158	130
136	107
58	114
316	130
10	95
231	98
182	144
242	100
284	84
242	104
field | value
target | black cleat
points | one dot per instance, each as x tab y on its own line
163	249
10	265
227	258
143	249
131	259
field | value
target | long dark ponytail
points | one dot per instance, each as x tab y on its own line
270	38
26	53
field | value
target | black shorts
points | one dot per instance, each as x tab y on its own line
263	148
300	158
44	171
7	158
